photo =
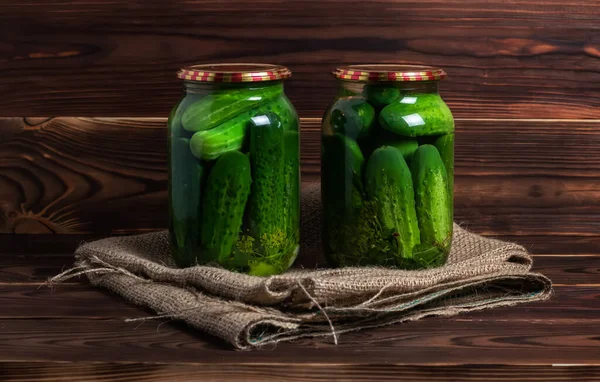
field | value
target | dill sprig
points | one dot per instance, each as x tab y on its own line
361	239
272	254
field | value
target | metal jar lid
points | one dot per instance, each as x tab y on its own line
234	72
388	73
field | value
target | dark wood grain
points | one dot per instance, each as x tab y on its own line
535	182
121	372
568	243
569	270
67	243
64	301
75	332
32	268
427	342
80	175
44	244
37	268
526	59
569	304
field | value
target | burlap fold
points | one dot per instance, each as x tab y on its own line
251	311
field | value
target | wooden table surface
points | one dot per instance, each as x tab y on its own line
78	333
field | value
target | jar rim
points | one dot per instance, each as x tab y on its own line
234	72
389	73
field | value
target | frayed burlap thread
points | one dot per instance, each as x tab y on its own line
248	311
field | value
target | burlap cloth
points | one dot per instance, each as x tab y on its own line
249	311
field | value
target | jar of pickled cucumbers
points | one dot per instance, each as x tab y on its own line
388	168
234	180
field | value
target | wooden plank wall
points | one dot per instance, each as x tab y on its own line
524	80
518	59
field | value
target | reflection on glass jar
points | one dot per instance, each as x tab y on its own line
234	180
388	168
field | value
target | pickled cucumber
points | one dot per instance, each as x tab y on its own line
343	164
380	95
185	187
223	205
352	117
265	212
445	146
432	197
407	146
417	115
216	108
389	184
285	112
342	188
291	180
174	123
228	136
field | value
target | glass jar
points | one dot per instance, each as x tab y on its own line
234	180
388	168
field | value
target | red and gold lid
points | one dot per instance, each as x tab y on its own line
388	73
234	72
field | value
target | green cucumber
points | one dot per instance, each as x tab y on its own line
174	122
228	136
291	180
185	182
375	139
380	95
417	115
263	269
445	146
184	239
176	130
218	107
429	258
285	111
352	117
186	176
432	199
389	183
407	146
267	158
223	205
342	167
342	170
231	135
